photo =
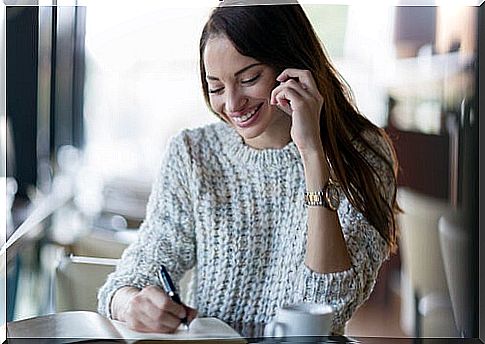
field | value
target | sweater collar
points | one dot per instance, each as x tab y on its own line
242	154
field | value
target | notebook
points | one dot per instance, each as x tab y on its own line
79	326
201	329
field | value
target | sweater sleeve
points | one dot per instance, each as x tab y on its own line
345	291
166	236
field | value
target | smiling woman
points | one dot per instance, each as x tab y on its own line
240	91
229	197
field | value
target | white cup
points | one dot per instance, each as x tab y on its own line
301	319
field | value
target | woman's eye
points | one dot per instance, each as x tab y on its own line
216	90
248	81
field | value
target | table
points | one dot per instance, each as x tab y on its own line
89	327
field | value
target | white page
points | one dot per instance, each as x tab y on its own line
200	328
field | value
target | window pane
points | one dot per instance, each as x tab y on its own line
142	84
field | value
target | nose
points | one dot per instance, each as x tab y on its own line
235	101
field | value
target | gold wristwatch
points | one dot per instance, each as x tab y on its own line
328	197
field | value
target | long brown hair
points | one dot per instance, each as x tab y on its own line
281	36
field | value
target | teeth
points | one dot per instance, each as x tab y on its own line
245	117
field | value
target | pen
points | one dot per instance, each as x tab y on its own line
169	288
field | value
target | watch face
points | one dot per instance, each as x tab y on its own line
333	197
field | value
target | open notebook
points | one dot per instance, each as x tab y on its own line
200	329
78	326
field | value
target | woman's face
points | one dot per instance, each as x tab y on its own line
240	89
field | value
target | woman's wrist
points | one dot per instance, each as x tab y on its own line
120	301
311	155
311	148
317	171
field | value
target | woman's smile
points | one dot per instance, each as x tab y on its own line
245	119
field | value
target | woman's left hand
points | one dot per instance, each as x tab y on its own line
298	96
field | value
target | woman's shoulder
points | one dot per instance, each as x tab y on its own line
201	138
205	132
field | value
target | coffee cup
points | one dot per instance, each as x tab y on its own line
301	319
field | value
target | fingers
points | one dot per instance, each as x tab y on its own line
296	87
191	313
290	96
164	302
144	322
286	98
151	310
293	84
303	76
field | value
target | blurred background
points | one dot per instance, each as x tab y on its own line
94	93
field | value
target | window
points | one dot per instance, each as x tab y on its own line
142	84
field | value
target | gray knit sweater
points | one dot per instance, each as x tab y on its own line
236	214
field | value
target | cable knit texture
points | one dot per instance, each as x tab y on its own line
236	214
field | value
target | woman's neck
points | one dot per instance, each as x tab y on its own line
276	136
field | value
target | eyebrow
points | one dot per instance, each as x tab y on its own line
208	77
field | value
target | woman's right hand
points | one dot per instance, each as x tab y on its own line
149	310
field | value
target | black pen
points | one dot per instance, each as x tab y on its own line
169	288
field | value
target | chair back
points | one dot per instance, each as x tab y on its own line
78	280
422	266
419	241
455	246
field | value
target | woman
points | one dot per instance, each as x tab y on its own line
229	197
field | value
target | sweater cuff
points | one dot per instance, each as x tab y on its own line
337	289
109	300
106	295
331	286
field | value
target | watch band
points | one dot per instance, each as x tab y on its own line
315	199
320	198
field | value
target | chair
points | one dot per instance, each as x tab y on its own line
423	269
101	244
78	279
455	246
77	282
